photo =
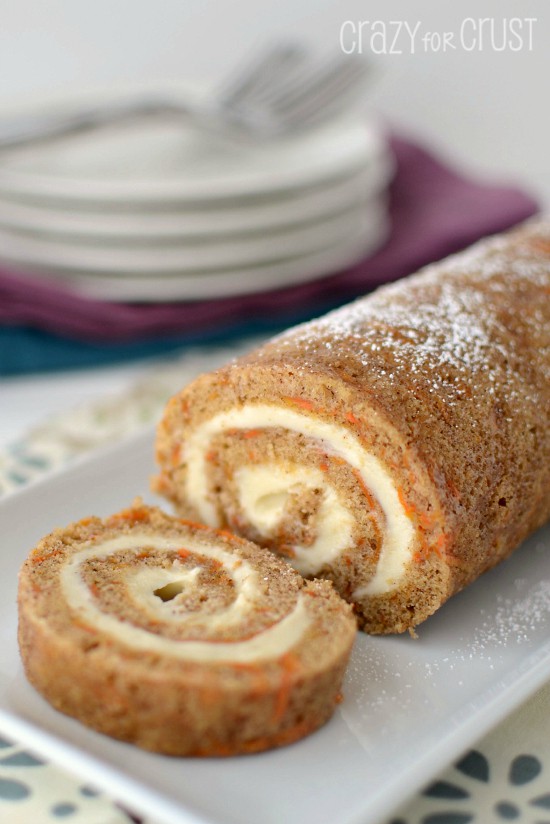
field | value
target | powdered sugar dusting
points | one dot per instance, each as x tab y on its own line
446	325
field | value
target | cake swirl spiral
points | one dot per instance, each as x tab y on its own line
179	638
399	446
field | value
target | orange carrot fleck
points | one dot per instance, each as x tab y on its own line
364	489
38	559
324	467
184	553
251	433
193	524
85	627
302	402
352	419
226	533
132	514
440	545
404	503
290	665
210	456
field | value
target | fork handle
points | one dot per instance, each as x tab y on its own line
34	129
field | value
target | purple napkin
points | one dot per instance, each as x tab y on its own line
435	210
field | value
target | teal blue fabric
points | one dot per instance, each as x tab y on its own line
24	350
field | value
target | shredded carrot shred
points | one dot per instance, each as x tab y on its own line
194	524
352	419
305	404
38	559
290	665
440	544
364	489
85	627
132	514
225	533
409	510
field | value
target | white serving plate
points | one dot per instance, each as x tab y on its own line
195	219
135	258
410	706
157	285
167	160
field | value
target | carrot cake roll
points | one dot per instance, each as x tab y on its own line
399	446
179	638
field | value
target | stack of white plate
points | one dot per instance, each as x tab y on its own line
161	212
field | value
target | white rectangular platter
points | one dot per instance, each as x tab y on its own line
410	706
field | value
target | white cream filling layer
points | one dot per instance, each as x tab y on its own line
396	550
264	492
141	583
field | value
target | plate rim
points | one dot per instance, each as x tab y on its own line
182	286
367	145
190	221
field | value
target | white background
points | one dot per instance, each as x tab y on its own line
487	111
488	108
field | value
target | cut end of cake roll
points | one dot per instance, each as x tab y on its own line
178	638
399	446
313	475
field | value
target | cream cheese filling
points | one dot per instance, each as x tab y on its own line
263	494
270	643
396	550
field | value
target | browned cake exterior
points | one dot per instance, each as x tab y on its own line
178	638
418	416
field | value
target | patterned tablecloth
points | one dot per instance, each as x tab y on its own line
506	777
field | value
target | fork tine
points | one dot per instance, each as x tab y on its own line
301	121
321	105
321	86
290	84
265	71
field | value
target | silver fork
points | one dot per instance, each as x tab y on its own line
278	93
310	94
